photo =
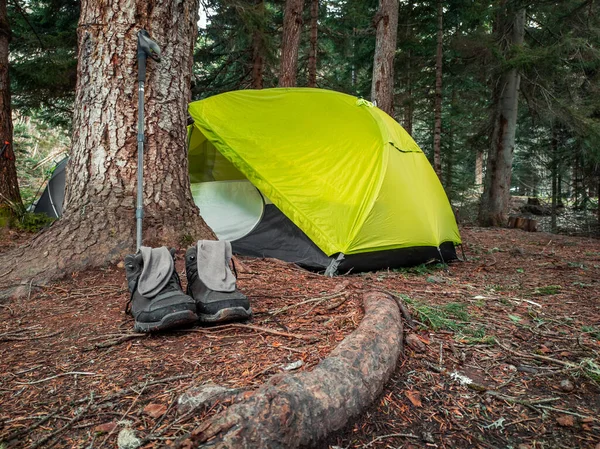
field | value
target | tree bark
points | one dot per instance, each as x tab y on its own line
496	193
10	197
98	223
386	24
479	171
258	49
312	54
299	410
292	25
554	175
437	128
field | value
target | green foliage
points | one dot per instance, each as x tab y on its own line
43	57
548	290
423	269
443	317
594	331
32	222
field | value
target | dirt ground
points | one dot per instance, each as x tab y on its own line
505	353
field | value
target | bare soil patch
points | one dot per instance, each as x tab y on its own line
520	318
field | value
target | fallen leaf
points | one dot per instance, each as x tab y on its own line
565	421
155	410
545	349
414	397
415	343
105	428
424	339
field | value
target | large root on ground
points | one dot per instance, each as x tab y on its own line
299	410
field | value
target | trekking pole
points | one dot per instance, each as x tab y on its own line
145	47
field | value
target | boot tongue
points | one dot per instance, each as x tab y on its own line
157	271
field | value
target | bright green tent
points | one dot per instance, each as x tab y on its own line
341	170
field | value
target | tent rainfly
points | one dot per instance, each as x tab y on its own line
315	177
51	201
318	178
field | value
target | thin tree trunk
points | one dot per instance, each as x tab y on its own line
496	194
437	128
10	197
598	208
554	174
98	223
450	154
409	107
258	49
479	171
312	54
292	25
386	24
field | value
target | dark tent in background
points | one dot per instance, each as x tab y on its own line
51	201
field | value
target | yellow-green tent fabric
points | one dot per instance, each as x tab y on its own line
344	172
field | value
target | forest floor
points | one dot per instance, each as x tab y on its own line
506	352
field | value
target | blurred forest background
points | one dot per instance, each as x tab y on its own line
451	61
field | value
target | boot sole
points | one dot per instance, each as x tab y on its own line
175	319
229	314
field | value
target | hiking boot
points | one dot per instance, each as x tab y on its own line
213	306
168	309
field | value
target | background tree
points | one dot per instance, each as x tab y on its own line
10	197
98	223
312	54
44	67
386	24
494	204
290	40
437	131
237	48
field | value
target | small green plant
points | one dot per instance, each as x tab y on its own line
520	270
515	318
590	369
187	240
475	336
548	290
443	317
425	268
581	284
592	330
32	222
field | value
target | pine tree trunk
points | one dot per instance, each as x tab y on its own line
292	25
10	197
258	49
437	128
554	174
409	108
386	24
312	54
450	153
479	171
98	223
496	194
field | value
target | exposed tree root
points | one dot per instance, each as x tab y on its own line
298	410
